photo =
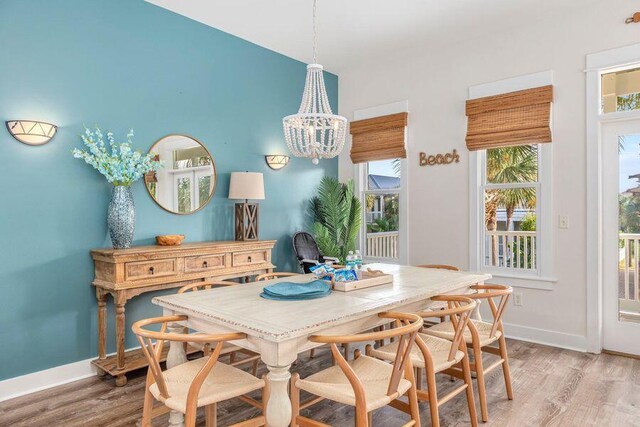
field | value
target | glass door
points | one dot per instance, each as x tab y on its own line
381	202
204	189
183	189
621	236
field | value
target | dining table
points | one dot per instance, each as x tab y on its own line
279	330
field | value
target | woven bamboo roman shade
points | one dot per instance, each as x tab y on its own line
515	118
379	138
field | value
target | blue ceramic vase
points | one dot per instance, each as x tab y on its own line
121	217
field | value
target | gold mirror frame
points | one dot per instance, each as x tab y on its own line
213	165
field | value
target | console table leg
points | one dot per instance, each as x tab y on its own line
121	379
102	323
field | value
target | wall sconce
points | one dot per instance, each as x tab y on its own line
277	161
31	132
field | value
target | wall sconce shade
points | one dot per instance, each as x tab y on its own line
277	161
31	132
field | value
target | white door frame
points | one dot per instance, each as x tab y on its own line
598	63
618	336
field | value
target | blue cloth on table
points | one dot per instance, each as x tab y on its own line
287	291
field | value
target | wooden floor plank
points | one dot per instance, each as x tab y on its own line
552	387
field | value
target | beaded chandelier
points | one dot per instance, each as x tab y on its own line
315	132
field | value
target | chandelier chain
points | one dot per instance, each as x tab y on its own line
315	132
315	34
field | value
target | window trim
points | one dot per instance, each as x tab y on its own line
544	274
360	183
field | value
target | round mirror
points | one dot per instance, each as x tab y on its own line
187	179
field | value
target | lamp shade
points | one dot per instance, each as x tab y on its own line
246	185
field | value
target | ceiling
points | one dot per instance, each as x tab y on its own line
351	30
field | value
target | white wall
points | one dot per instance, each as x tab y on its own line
435	82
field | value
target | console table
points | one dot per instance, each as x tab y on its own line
125	273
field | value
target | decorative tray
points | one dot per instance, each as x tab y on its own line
368	279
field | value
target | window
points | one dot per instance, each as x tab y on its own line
510	192
381	202
620	91
510	138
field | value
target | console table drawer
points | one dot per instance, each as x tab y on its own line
205	263
148	269
249	258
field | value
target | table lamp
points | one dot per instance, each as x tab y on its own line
247	186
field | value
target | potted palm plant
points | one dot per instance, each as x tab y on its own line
337	216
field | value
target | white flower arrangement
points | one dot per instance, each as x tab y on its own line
118	162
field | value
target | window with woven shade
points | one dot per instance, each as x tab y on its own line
510	119
378	138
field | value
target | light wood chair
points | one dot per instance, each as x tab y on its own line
365	382
439	267
229	349
277	275
198	383
436	355
274	275
480	335
204	285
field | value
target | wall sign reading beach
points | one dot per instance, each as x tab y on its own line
439	159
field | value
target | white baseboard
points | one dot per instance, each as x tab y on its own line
546	337
41	380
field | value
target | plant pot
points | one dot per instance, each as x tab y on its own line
121	217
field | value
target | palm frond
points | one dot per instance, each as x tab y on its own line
337	214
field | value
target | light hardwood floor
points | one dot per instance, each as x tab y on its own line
552	387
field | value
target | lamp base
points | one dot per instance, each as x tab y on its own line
246	221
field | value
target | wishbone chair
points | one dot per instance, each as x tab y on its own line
274	275
197	383
480	335
436	355
364	382
277	275
439	267
229	349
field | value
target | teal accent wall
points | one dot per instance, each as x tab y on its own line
121	64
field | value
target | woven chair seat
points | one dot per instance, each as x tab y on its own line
445	330
223	382
374	374
438	347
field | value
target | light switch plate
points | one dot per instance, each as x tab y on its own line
563	221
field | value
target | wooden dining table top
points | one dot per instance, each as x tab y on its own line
240	308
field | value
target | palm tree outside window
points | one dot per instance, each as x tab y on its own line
511	204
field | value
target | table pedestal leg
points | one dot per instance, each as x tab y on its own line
175	357
279	404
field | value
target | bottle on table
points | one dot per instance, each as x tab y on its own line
350	264
358	260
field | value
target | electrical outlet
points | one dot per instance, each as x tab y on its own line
517	299
563	221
